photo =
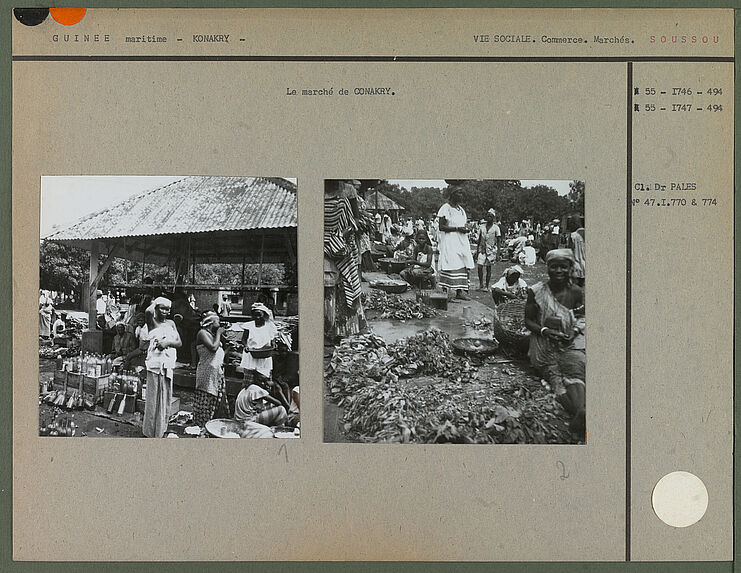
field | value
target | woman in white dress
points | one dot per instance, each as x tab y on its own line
455	250
258	336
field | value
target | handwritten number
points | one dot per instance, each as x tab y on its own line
562	467
285	451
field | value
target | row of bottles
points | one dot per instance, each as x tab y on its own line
93	365
73	401
59	426
125	381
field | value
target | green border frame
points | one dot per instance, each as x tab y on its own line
6	424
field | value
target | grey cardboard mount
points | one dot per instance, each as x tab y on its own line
551	94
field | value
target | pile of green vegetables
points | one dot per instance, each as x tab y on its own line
380	389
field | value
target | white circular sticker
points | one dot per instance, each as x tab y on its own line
680	499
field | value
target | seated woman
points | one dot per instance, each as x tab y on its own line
509	286
286	397
255	404
59	330
518	244
420	269
404	249
528	255
124	342
554	313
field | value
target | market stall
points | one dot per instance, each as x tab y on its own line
377	202
193	221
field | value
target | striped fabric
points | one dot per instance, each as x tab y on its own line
456	279
338	218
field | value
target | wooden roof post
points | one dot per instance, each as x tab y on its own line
92	298
262	255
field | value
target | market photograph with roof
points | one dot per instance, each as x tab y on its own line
454	311
168	307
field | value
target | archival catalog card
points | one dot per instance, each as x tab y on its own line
381	239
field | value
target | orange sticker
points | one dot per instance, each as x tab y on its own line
67	16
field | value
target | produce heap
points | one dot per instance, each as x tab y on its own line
378	387
52	353
394	306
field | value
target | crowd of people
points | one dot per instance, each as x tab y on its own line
154	333
442	250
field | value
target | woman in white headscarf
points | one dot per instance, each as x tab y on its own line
259	336
510	285
163	341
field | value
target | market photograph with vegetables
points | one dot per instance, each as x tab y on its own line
454	311
168	307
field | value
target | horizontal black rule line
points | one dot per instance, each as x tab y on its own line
416	59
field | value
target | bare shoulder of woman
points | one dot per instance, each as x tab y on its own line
577	295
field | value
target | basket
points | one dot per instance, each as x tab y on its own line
475	346
262	353
390	286
508	325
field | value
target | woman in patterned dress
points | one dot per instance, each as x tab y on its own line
209	373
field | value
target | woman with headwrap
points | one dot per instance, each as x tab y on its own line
405	248
163	341
509	286
554	313
210	369
343	310
124	342
455	250
46	310
386	228
255	404
420	271
258	336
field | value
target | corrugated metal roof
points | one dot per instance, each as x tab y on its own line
193	205
384	203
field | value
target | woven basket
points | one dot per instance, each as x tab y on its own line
262	353
508	324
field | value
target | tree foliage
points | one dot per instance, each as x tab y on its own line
508	198
62	268
576	196
65	269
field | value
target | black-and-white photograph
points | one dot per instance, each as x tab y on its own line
454	311
168	307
